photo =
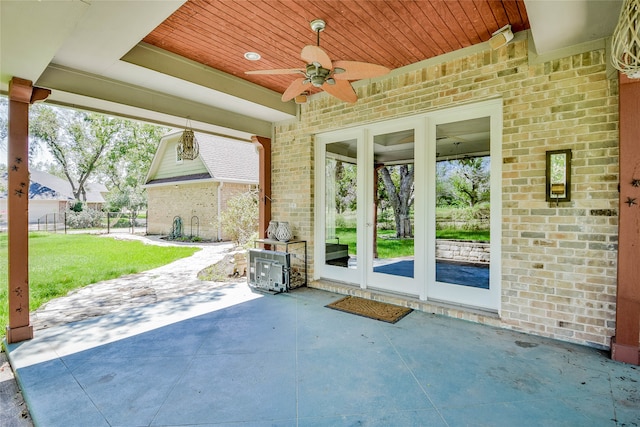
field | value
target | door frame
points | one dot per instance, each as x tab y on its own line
403	285
488	299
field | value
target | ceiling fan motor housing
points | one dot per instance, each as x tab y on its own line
317	75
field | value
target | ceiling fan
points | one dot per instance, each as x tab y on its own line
321	72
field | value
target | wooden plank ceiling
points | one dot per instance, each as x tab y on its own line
393	33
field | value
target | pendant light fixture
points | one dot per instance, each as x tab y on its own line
188	144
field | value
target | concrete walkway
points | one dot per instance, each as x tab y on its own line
226	356
173	280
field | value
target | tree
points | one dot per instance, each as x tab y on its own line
77	141
4	128
346	194
126	165
88	146
4	121
398	184
470	180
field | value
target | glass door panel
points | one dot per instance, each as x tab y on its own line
463	192
393	214
341	204
464	223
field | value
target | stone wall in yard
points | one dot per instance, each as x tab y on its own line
558	273
462	251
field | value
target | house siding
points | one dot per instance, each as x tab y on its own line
169	167
558	262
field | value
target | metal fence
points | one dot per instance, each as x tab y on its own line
99	222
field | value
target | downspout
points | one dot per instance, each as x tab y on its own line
263	145
219	208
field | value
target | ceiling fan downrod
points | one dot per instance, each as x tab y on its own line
318	25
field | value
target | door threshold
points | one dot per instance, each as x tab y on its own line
473	314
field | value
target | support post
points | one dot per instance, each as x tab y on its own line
21	95
625	345
263	145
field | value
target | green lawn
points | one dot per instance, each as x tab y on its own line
389	247
59	263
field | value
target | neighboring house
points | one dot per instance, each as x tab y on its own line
49	196
197	190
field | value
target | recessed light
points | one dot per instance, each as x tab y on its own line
252	56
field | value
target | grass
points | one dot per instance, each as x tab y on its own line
59	263
474	235
390	247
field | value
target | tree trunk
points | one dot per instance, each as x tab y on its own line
401	198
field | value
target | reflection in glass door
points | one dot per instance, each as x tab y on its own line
393	203
341	204
463	192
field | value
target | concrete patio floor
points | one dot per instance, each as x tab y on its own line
232	357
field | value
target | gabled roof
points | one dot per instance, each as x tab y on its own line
44	186
225	160
228	159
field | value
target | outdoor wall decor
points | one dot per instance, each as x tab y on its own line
558	182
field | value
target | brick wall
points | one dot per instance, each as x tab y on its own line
558	262
187	201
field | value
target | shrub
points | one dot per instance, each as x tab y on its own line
240	219
87	218
473	218
76	206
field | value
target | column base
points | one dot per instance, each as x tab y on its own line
21	333
625	353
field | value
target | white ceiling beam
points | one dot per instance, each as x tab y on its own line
68	80
162	61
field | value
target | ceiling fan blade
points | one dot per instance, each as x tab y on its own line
311	54
355	70
295	88
280	71
342	89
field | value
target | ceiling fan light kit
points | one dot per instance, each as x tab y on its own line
320	72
